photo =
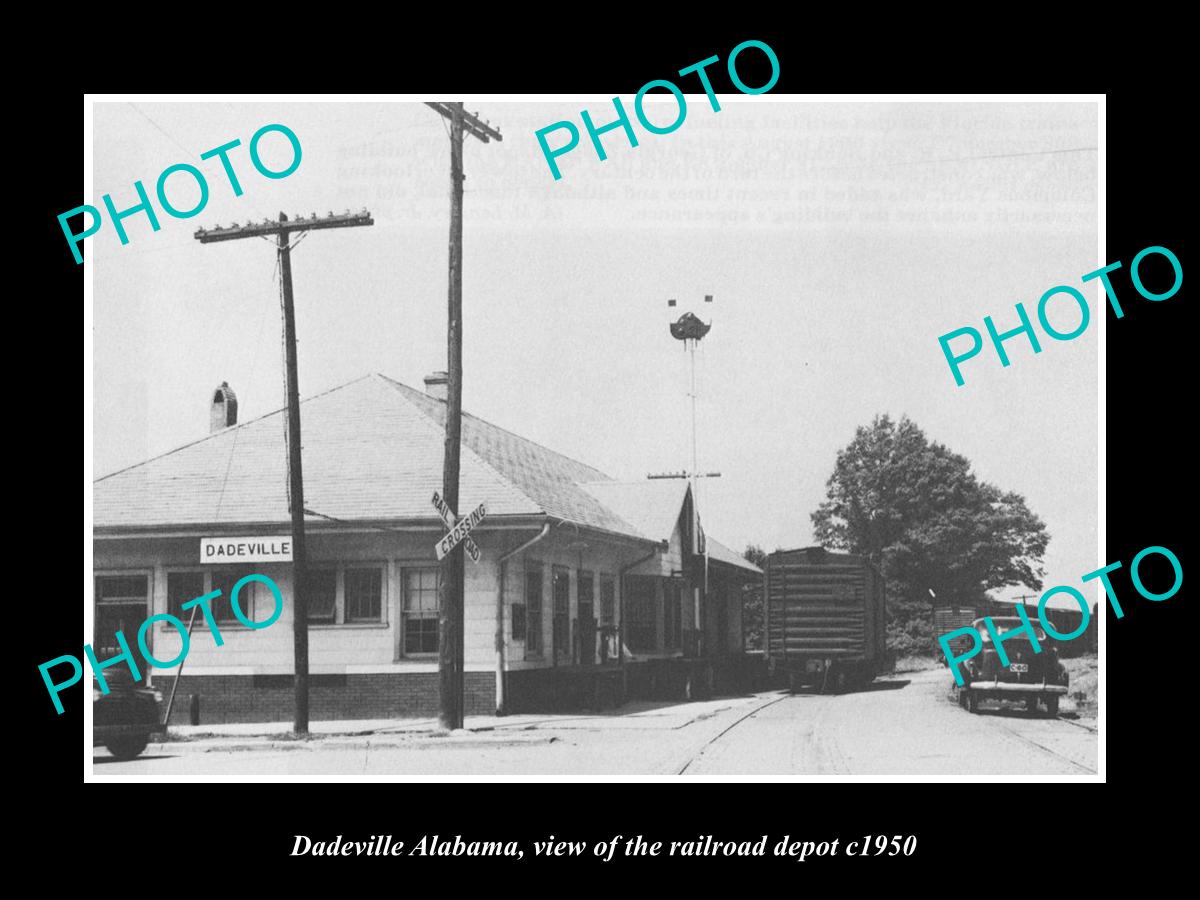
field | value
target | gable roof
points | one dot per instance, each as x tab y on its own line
718	552
652	506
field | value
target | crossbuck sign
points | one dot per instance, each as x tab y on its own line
459	530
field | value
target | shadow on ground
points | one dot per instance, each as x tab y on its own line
873	687
109	760
1012	712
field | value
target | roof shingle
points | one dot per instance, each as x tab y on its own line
373	450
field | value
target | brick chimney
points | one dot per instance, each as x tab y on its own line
437	385
224	408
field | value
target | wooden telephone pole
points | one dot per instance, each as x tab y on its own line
450	585
282	231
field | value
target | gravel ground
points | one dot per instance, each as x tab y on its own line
1084	689
917	664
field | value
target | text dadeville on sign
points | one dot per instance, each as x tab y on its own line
246	549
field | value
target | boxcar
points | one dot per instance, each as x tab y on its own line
825	618
947	619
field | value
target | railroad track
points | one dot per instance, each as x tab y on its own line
724	731
749	714
1050	750
1077	725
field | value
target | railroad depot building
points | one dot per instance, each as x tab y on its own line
602	590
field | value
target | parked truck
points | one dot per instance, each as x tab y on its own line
825	619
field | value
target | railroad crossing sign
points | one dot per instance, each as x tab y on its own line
459	531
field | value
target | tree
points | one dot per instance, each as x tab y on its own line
755	554
919	513
753	621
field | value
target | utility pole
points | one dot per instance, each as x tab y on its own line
691	330
450	585
692	477
282	231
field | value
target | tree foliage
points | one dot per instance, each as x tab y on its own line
918	512
753	620
755	554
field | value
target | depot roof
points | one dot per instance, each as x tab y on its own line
653	507
373	451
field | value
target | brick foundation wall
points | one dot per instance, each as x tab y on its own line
270	698
572	689
564	689
696	679
668	679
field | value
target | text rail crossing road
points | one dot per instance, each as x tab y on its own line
459	531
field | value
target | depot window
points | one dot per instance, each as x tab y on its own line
182	587
420	611
345	595
254	599
122	604
364	594
223	580
322	596
337	595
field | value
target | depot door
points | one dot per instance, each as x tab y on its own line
587	618
122	604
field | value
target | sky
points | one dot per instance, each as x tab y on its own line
839	241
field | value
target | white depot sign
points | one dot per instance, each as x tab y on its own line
246	549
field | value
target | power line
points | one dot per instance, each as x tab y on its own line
237	432
367	525
228	466
161	130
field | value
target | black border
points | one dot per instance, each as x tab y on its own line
1147	443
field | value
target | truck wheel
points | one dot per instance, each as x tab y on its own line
972	702
962	698
1052	706
1031	704
127	747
